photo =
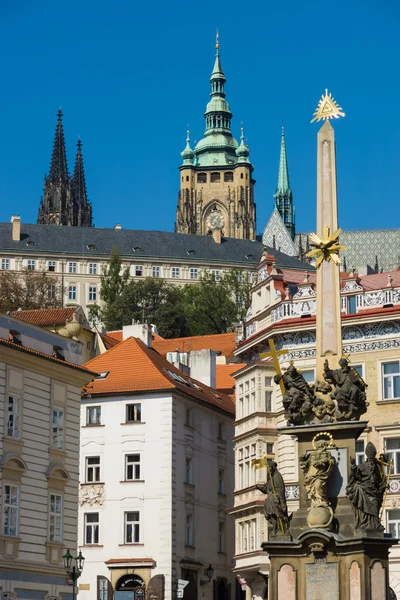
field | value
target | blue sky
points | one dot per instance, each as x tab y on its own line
129	77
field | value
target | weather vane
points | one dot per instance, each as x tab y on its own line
327	108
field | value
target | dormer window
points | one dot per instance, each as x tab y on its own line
58	352
15	337
215	177
228	176
91	247
202	178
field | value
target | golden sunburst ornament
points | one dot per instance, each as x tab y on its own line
326	248
327	108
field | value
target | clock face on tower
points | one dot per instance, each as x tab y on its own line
215	220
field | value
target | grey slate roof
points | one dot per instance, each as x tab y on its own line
77	241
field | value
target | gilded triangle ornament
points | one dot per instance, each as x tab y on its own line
327	108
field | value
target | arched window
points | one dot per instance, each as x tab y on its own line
187	177
8	596
241	175
228	176
215	177
129	582
202	178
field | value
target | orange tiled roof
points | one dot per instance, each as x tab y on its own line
118	335
225	381
133	367
46	356
109	341
44	316
222	342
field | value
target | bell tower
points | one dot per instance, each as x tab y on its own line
217	185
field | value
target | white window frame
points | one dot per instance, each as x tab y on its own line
395	454
156	271
92	469
92	268
72	267
5	264
10	510
92	528
55	518
360	454
136	408
13	428
134	526
51	290
53	264
92	294
189	537
96	412
395	522
193	273
72	291
138	271
217	274
57	428
133	464
175	272
31	265
388	377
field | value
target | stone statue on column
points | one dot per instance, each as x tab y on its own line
275	508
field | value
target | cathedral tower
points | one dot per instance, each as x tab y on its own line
283	195
65	201
217	187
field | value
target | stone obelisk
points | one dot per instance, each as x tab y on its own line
329	327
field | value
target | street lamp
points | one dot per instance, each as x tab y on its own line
209	572
74	571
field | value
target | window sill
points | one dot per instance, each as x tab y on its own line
60	453
134	423
132	481
133	544
389	401
191	485
94	425
188	546
88	483
92	546
222	494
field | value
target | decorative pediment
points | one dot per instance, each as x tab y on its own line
351	286
57	475
12	466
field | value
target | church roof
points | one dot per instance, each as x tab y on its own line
138	244
277	236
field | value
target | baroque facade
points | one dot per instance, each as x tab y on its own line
217	185
65	199
40	381
283	310
156	477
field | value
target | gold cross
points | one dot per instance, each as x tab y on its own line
274	353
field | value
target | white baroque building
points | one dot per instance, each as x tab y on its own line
39	459
156	476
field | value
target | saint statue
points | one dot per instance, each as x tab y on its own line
316	467
366	489
275	508
298	398
349	391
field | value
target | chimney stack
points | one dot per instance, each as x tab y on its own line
203	367
16	228
142	331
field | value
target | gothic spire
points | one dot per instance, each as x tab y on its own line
218	116
283	195
58	167
83	216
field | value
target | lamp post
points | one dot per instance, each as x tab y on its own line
209	572
73	568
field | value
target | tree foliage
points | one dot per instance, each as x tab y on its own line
28	289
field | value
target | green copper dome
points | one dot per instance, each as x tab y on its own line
187	154
243	151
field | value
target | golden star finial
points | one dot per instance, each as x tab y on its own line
327	108
326	248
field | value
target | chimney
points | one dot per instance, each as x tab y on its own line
180	360
118	226
217	236
203	366
142	331
16	228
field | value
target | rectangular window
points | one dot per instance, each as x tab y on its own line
5	264
216	274
92	293
92	268
221	481
156	271
221	431
91	528
31	265
268	381
55	529
132	467
221	536
10	510
360	454
188	470
189	417
72	292
51	265
391	380
268	400
175	272
92	469
351	305
392	448
358	369
72	267
57	440
194	273
309	375
13	417
270	448
246	473
138	271
189	530
132	527
51	291
103	589
393	522
93	415
133	413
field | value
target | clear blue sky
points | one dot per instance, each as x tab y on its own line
131	75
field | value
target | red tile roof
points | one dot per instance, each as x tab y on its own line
44	316
109	342
225	381
133	367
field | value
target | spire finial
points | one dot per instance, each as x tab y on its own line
217	42
59	115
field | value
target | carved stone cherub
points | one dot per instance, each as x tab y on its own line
349	391
275	508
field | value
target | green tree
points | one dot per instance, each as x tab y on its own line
28	289
113	282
